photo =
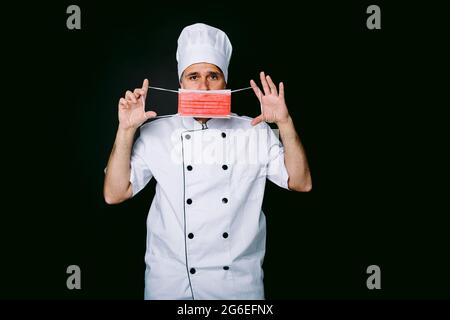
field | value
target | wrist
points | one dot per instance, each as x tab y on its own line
126	132
285	122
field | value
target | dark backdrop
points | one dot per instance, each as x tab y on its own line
364	103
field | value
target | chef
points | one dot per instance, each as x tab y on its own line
206	231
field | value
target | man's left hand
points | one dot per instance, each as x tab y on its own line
274	109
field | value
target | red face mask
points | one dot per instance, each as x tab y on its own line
204	103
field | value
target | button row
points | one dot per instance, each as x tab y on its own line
189	167
192	270
188	136
189	201
191	235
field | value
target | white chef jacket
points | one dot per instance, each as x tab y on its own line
206	231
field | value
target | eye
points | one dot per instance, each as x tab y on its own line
214	76
193	77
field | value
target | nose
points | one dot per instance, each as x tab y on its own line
204	84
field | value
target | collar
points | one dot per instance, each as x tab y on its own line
213	123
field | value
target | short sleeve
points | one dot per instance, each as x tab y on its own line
140	173
276	169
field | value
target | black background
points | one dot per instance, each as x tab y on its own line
368	106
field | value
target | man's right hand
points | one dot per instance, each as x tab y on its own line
132	108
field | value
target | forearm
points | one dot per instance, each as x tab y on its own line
117	187
295	158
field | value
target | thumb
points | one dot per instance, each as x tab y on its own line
150	114
257	120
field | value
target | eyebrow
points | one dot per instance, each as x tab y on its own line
191	74
195	73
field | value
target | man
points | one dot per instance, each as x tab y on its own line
205	229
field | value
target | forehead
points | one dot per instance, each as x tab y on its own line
202	68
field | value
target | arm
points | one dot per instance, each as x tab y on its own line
295	158
274	110
117	187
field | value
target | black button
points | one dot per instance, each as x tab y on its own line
190	235
225	235
189	168
224	167
226	268
192	270
224	200
189	201
188	136
224	134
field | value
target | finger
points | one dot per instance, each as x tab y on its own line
264	83
281	90
145	87
130	97
123	103
273	87
138	93
256	89
257	120
150	114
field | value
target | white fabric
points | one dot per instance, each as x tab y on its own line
202	43
163	151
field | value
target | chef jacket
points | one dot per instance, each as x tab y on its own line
206	231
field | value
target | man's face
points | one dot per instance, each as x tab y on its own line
202	76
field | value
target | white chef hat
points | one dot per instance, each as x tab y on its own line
202	43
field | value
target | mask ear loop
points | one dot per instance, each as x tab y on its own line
260	101
162	89
168	90
237	90
166	116
232	91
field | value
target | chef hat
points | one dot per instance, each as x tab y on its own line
202	43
